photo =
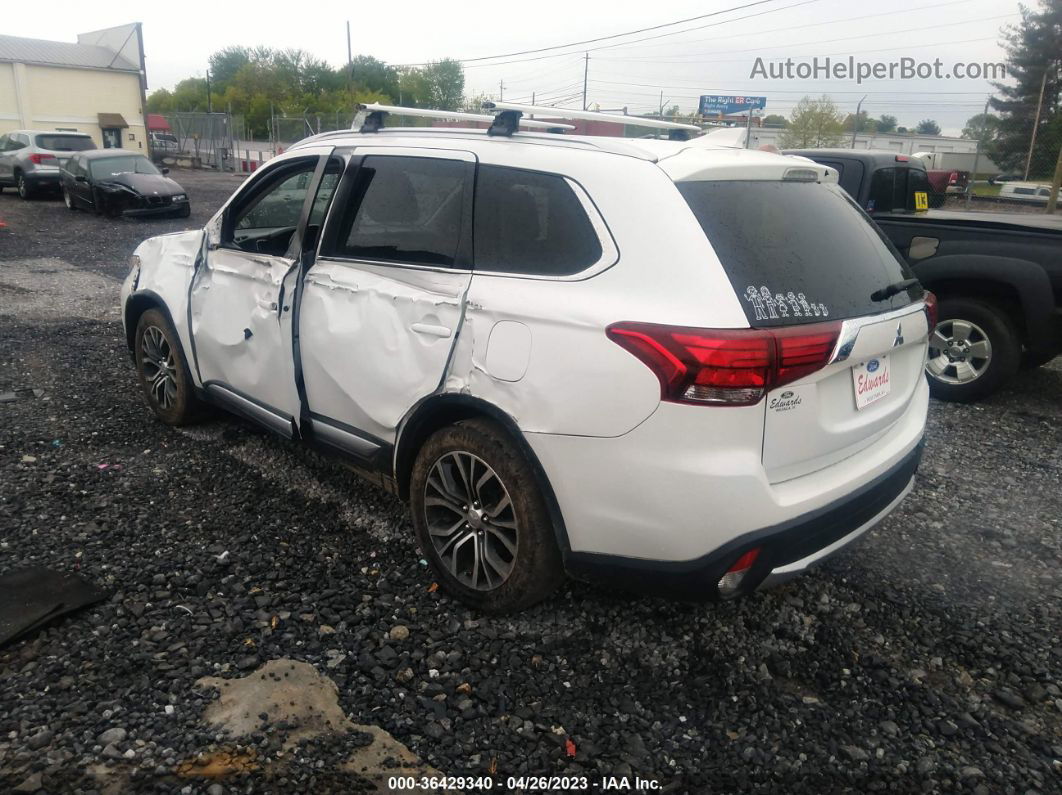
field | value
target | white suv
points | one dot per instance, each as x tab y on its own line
683	370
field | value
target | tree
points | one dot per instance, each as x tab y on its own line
814	124
224	64
1034	49
886	123
982	127
445	81
927	127
775	120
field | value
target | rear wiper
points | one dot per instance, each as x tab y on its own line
892	289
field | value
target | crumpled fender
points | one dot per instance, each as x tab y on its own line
167	264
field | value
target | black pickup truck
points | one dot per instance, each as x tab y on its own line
998	276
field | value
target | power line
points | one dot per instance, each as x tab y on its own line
647	38
831	41
606	38
808	25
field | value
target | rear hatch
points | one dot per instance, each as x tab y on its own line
808	266
61	147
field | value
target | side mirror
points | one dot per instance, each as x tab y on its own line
165	171
80	178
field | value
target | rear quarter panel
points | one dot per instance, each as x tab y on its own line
572	379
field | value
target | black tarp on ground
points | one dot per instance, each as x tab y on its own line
30	598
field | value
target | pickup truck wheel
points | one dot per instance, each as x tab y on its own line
974	349
481	520
163	372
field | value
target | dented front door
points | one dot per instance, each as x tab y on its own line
241	297
382	305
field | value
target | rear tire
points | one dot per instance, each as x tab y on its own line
163	371
481	519
25	192
973	351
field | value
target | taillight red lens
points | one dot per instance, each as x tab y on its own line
38	158
726	367
931	310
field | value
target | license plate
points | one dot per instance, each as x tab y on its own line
870	379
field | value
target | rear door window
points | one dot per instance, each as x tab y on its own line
65	143
532	223
409	210
797	252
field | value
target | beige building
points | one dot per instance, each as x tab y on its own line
96	86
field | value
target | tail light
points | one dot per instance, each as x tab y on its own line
931	310
38	158
954	178
726	367
729	582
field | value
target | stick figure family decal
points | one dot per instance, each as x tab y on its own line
770	306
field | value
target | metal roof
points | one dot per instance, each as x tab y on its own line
61	53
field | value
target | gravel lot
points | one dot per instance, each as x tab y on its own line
925	659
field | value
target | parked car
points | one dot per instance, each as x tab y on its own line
164	144
117	182
999	179
1033	192
30	160
998	275
677	370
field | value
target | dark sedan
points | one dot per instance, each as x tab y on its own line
118	182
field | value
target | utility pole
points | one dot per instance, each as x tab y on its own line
501	90
1036	124
350	70
977	155
210	104
855	122
586	72
1052	200
661	104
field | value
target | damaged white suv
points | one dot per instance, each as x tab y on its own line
684	370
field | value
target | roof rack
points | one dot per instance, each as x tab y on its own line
370	118
511	112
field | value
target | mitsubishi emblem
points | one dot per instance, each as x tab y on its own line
896	343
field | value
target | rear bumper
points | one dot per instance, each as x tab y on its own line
786	550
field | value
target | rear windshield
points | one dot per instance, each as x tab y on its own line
893	189
797	252
65	143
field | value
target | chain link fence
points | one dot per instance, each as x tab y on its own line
1019	175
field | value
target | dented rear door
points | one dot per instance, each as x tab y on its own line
382	306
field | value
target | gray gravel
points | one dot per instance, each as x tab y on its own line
924	659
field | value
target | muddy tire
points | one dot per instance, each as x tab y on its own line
973	351
162	370
481	519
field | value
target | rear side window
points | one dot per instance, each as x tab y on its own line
893	189
531	223
406	210
65	143
796	252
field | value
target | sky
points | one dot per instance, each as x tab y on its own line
711	55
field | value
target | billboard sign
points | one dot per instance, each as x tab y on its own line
711	105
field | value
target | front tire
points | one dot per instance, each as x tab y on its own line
973	351
184	212
163	371
68	200
481	520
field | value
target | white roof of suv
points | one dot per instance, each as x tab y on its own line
695	159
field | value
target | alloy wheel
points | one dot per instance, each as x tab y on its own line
23	188
959	352
66	199
159	366
471	520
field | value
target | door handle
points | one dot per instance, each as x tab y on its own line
432	331
270	306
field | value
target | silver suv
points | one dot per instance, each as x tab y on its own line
30	159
